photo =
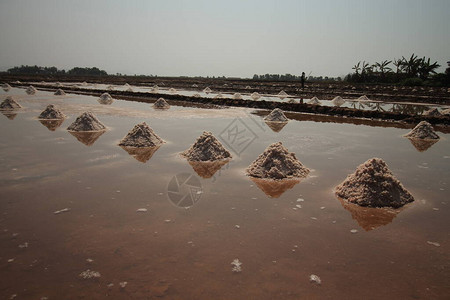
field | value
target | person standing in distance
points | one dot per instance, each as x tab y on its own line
302	79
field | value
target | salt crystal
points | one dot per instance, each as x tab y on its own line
10	260
354	230
298	206
24	245
123	284
300	200
236	266
434	243
141	210
315	279
167	221
61	211
237	226
88	274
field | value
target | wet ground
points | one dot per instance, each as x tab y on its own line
198	221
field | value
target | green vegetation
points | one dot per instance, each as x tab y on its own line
37	70
290	77
408	71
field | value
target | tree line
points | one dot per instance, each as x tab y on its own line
406	71
37	70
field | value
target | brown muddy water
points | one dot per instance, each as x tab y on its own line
198	221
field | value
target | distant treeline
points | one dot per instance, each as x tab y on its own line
37	70
290	77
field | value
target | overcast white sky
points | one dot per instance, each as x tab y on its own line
221	38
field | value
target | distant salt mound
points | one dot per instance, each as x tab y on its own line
237	96
195	86
248	87
161	103
51	113
6	87
155	88
172	90
282	95
105	98
9	104
87	122
292	101
58	84
276	162
110	88
374	185
126	85
314	100
129	90
207	90
31	90
255	96
423	130
141	136
434	112
206	148
276	115
363	98
338	101
218	96
59	92
196	95
446	112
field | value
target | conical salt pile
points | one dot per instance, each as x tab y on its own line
6	87
161	103
31	90
255	95
141	136
59	92
237	96
155	88
207	90
9	104
314	100
276	115
276	162
423	130
51	113
363	98
206	148
87	122
374	185
172	90
196	95
338	101
129	89
105	97
126	85
434	112
282	95
218	96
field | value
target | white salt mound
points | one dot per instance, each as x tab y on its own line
51	113
6	87
363	98
59	92
88	274
161	103
207	90
282	95
87	122
197	95
374	185
155	88
276	162
423	130
255	95
218	96
276	115
237	96
172	90
206	148
314	100
106	97
434	112
31	90
141	136
9	104
129	89
338	101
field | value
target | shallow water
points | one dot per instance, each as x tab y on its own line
186	253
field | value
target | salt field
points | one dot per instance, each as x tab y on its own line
85	218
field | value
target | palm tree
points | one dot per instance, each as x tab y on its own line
398	63
356	68
411	65
426	67
383	67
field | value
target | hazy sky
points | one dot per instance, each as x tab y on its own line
221	38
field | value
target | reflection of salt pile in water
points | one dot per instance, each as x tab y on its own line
255	95
237	96
59	92
276	162
374	185
363	98
105	98
314	100
141	136
6	87
207	169
434	112
207	90
274	188
423	130
338	101
370	218
161	103
142	154
9	104
206	148
51	113
51	125
87	122
276	115
276	126
282	95
31	90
